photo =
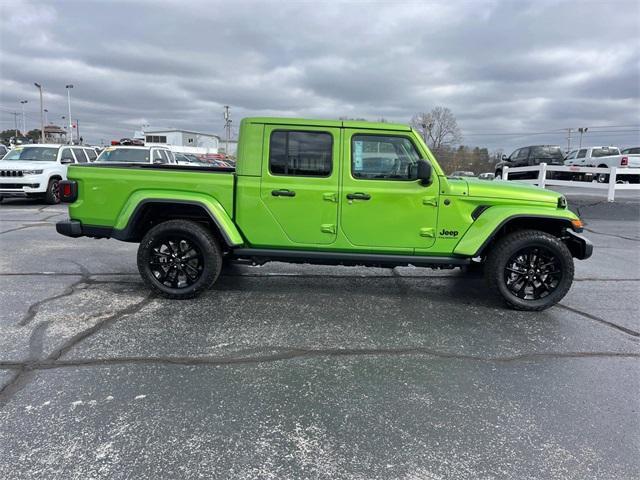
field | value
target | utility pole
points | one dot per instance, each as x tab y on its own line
15	121
24	123
582	130
69	87
227	126
569	140
41	112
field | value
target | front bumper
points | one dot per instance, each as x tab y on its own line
580	247
23	185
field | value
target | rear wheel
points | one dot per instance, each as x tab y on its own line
52	196
602	177
530	269
179	259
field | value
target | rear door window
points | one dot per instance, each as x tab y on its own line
307	154
80	156
91	154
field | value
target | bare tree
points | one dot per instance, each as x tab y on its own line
439	128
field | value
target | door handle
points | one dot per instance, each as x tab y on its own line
283	193
358	196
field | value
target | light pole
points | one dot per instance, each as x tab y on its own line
582	130
41	112
69	87
24	124
46	117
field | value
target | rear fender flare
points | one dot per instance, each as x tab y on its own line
130	213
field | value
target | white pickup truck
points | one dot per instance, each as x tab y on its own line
601	157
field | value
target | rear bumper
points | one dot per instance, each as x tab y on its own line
580	247
69	228
75	229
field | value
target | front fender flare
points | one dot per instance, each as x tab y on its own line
126	220
489	223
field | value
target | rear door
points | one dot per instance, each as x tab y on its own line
299	184
383	205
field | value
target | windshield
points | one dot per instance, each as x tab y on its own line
124	155
35	154
604	152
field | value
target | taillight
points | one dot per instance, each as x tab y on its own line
624	161
68	191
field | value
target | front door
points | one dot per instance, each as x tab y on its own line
382	204
299	185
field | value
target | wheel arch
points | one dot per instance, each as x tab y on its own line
150	212
476	242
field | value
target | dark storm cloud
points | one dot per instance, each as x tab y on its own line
501	66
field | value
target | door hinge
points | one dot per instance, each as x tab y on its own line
328	228
330	197
427	232
433	201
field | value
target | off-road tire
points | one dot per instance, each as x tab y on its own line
504	250
202	241
52	197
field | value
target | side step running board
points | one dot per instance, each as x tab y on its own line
260	256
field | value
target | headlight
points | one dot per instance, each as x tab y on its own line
32	172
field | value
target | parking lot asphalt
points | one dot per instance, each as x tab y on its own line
289	371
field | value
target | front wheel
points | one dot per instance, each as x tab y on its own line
179	259
532	270
52	197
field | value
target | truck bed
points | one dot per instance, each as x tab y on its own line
110	192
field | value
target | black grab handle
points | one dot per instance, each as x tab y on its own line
283	193
358	196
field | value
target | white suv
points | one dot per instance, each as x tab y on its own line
36	170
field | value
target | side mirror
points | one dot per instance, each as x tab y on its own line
424	172
66	160
505	158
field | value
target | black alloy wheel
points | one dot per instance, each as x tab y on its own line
533	273
530	269
179	259
176	262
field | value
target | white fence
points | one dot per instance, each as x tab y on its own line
616	177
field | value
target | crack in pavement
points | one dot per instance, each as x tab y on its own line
24	227
25	374
626	330
622	237
273	354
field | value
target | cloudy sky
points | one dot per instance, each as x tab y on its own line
513	72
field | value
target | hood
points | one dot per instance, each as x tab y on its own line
25	165
510	190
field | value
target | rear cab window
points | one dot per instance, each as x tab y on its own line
604	152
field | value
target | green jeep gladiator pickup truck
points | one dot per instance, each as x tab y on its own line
327	192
